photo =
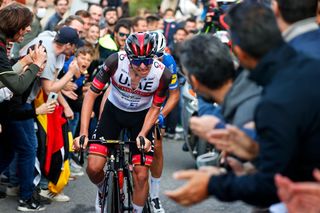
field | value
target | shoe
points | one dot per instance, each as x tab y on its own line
13	190
4	180
42	200
185	147
76	173
156	206
73	164
54	197
2	195
30	205
76	170
72	177
179	129
98	203
170	135
178	136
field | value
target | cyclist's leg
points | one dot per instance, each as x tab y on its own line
140	173
108	128
157	163
156	172
141	176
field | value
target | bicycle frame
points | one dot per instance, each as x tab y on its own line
116	162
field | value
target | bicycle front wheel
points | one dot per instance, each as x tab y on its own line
113	193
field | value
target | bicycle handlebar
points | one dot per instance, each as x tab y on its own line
102	140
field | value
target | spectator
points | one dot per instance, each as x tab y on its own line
125	8
91	41
58	44
61	7
139	24
12	29
39	11
191	26
187	9
74	22
152	23
86	18
112	43
110	18
168	4
117	5
77	5
170	25
95	11
232	90
300	196
23	142
283	124
179	37
83	57
297	22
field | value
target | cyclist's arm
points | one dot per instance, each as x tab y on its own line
174	91
102	78
86	111
158	99
150	120
171	102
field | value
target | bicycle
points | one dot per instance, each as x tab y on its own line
118	169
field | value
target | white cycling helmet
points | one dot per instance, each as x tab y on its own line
161	42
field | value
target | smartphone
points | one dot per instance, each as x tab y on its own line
52	96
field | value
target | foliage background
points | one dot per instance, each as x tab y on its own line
151	5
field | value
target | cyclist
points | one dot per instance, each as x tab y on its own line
139	85
174	93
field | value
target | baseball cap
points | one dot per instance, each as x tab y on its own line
68	35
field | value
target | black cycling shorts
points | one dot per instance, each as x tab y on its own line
112	121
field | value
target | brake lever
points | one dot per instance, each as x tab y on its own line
142	155
81	143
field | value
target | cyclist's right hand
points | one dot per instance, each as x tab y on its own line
76	143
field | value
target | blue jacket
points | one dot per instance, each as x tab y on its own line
288	128
308	43
53	21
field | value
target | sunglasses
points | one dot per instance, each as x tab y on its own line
124	34
138	62
159	55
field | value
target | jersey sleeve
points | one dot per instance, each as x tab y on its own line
161	92
107	70
170	63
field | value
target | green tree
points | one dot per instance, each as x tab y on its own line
150	5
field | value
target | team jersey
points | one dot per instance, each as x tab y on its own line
151	90
170	63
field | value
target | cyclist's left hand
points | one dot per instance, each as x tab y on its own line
147	144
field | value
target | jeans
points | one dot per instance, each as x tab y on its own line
13	175
73	124
21	138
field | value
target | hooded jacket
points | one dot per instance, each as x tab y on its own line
241	100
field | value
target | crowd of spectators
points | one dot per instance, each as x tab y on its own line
263	77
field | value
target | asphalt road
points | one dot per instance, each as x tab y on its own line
83	192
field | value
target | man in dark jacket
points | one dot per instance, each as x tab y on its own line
287	118
297	22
